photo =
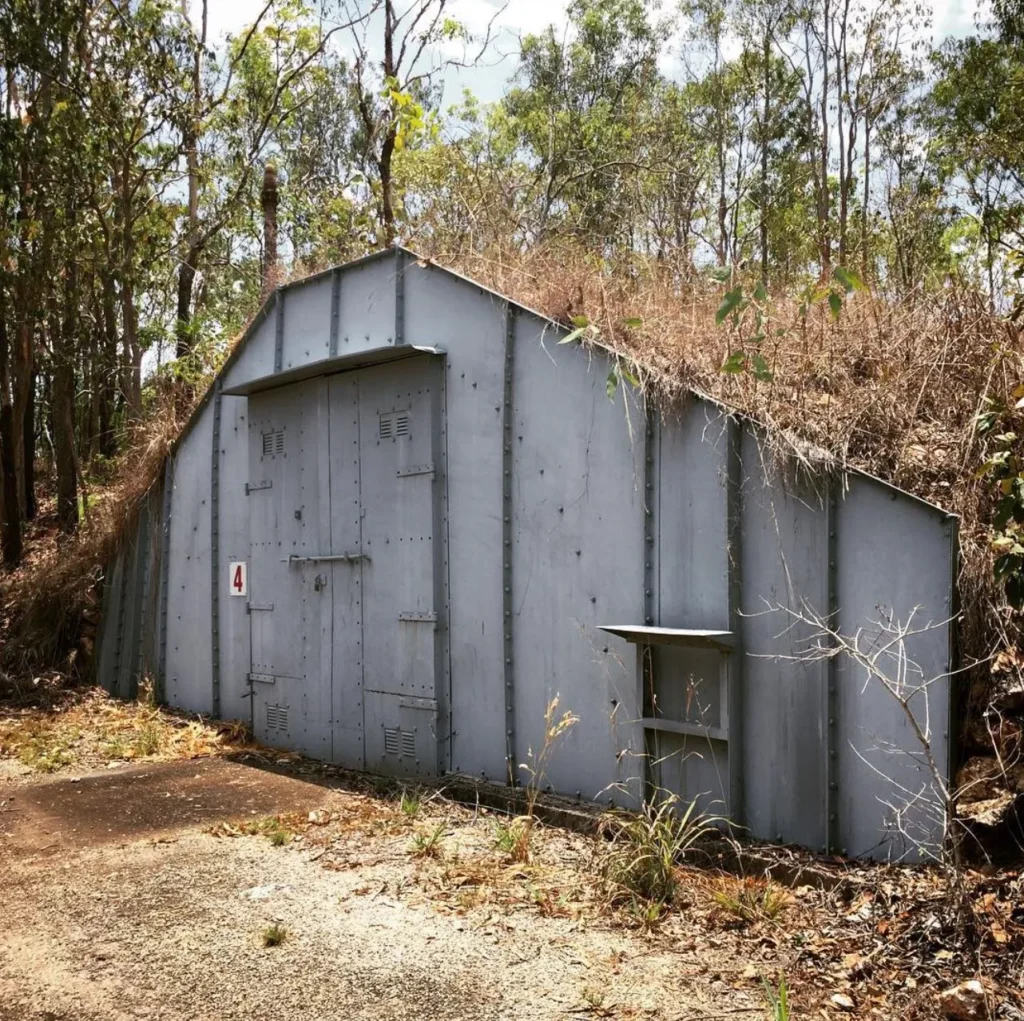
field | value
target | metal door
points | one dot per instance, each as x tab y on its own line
290	595
399	408
346	573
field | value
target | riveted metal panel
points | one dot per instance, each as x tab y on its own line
189	651
289	524
367	315
111	624
235	660
473	442
783	563
167	494
578	536
692	533
307	324
398	409
256	357
893	563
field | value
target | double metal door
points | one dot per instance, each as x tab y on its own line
344	566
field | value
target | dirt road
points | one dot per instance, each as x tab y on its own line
119	900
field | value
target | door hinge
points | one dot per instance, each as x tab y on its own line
259	606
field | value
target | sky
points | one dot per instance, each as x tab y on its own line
522	17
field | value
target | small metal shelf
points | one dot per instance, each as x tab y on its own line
687	727
640	634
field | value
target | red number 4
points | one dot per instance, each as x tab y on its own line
238	582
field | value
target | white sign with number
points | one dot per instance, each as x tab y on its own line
238	578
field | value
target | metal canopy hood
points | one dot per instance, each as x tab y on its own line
327	366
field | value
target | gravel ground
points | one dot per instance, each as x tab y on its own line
170	925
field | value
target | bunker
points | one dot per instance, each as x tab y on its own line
405	517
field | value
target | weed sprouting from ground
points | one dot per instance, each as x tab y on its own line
513	838
778	999
428	844
753	900
276	829
646	849
274	935
410	804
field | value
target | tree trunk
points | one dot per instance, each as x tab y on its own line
766	56
28	439
10	532
190	145
269	197
62	404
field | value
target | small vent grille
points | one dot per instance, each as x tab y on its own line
399	742
394	425
273	442
277	717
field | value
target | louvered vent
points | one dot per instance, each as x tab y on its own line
273	442
390	741
409	744
277	717
393	425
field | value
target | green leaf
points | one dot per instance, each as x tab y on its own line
612	384
633	323
722	274
848	279
835	304
729	302
760	294
628	376
581	321
760	368
575	335
736	362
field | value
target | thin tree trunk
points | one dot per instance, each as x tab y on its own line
269	198
10	532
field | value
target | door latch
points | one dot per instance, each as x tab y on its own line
320	583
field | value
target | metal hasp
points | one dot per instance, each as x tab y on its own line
506	543
348	558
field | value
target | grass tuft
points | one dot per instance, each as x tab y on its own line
753	900
428	844
274	935
646	849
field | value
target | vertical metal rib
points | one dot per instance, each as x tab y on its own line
399	296
734	484
279	330
649	515
142	595
218	399
165	551
335	310
506	543
831	703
